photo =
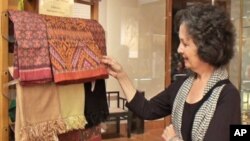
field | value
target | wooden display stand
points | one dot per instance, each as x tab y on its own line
4	124
30	5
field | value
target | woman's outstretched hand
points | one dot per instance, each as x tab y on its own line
113	67
116	70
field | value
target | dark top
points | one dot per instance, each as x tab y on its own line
228	110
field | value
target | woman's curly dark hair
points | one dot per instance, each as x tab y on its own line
211	30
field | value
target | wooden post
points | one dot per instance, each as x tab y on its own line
4	124
168	41
31	5
168	48
94	11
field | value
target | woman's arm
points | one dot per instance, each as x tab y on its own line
157	107
228	112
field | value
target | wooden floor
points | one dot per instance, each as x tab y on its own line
152	132
149	135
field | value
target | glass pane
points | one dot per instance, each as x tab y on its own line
135	33
234	70
245	73
240	14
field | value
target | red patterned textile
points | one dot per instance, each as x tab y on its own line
76	46
90	134
31	52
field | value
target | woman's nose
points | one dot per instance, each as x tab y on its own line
179	49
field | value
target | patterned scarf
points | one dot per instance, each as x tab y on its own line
206	111
67	50
76	46
31	49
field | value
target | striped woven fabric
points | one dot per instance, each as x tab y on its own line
76	46
31	52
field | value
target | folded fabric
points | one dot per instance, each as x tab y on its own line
31	52
71	46
38	116
76	46
72	100
90	134
96	106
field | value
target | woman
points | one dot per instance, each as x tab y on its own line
205	104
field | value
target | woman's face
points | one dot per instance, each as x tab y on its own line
188	50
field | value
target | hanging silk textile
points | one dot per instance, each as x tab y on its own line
90	134
76	46
31	52
38	116
96	106
72	100
66	50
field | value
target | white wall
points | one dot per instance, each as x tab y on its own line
135	35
